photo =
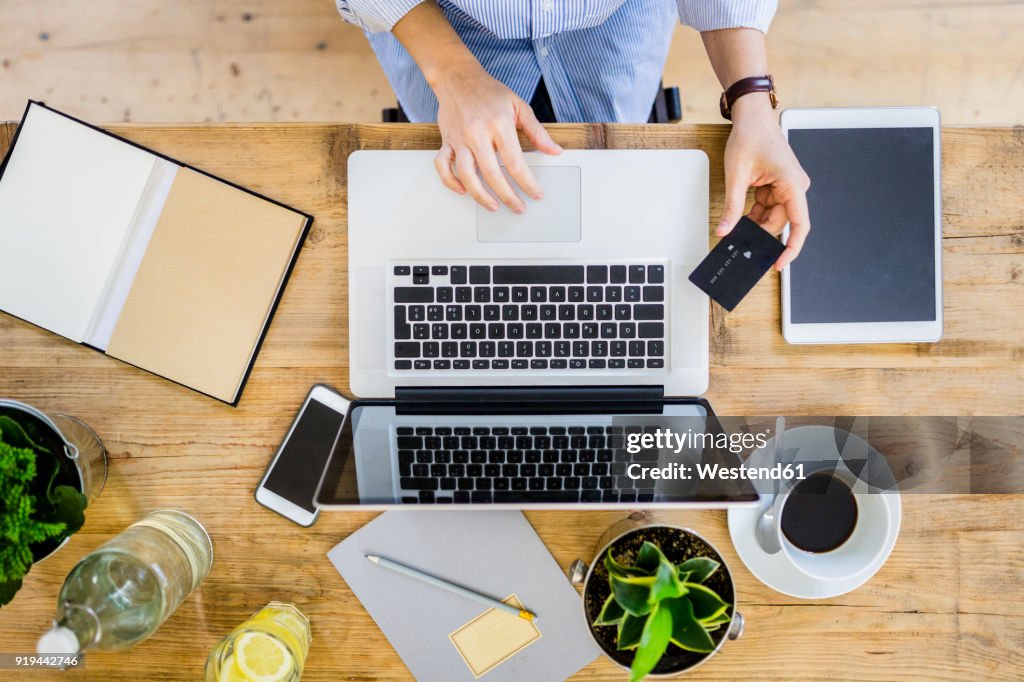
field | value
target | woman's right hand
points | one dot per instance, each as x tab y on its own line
479	119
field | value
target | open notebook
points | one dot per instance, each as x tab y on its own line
138	256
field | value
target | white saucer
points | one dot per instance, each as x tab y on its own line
774	570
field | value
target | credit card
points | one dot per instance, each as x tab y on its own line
736	263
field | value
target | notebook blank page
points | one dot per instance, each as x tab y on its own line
67	199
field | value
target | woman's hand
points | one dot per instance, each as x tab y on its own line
479	119
757	155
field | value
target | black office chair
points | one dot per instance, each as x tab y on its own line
667	108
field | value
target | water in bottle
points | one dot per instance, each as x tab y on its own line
121	593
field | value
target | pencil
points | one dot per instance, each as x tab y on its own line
451	587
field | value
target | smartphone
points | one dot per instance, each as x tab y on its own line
290	483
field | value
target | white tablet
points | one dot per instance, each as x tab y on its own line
871	268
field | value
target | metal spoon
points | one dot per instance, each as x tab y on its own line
765	531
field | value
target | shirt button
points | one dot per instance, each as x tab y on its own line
547	5
543	52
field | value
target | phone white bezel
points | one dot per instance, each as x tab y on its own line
271	500
870	332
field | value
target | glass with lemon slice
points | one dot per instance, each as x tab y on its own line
269	647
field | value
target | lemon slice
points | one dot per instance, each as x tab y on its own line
262	658
229	672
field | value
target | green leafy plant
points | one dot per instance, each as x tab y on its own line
655	603
32	508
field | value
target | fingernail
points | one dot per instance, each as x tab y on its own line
518	209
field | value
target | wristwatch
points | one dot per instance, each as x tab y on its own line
745	86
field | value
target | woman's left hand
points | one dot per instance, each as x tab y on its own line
757	155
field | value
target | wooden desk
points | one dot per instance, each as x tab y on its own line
947	604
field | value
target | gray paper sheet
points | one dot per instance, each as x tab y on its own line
496	553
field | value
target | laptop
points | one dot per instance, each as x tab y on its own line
588	287
506	360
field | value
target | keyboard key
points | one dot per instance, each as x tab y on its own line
613	294
618	349
458	274
597	364
515	330
442	364
636	274
402	328
453	313
567	312
407	349
487	349
635	363
506	349
581	349
655	363
478	330
604	312
472	312
655	274
528	312
552	330
562	349
499	364
609	330
654	293
584	312
595	294
479	274
627	330
556	294
467	349
463	294
524	349
538	294
534	330
423	483
650	330
520	364
460	364
403	364
617	274
538	274
439	270
631	294
501	294
577	294
542	349
417	313
445	294
449	349
492	312
481	294
616	363
655	348
520	294
589	330
576	363
538	364
414	295
435	313
459	330
636	348
420	270
402	270
599	348
420	279
421	364
597	274
421	331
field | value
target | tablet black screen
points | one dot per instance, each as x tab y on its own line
870	253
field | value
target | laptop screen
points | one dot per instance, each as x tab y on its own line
664	456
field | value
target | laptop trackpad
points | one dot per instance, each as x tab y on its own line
555	218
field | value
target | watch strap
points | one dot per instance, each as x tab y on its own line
745	86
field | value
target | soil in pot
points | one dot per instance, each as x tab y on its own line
67	473
678	546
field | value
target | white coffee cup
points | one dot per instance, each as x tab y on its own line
859	551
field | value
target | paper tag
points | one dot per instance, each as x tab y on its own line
493	637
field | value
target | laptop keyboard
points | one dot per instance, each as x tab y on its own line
482	464
535	317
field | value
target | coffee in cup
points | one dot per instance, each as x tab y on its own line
820	513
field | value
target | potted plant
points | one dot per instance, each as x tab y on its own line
43	487
659	600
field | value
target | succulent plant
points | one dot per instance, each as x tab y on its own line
655	603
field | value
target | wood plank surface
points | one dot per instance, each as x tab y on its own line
267	60
947	605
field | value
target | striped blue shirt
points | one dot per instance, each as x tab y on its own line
601	60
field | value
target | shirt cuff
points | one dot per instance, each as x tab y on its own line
711	15
374	16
